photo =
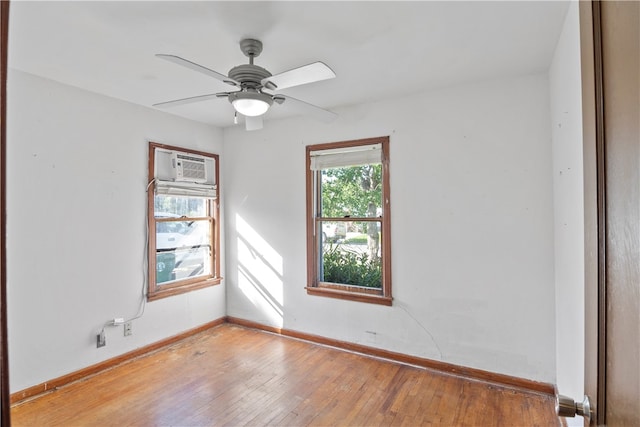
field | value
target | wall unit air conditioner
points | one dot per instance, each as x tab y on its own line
189	167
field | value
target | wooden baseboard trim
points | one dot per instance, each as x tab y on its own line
472	373
108	364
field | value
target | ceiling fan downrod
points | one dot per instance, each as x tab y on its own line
251	48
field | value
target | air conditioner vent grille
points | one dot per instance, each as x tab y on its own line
190	168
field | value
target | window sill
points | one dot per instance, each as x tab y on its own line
358	296
177	290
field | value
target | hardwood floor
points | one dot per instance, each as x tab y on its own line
231	375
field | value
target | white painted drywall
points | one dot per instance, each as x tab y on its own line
472	227
566	130
76	177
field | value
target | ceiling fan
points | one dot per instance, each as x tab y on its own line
251	99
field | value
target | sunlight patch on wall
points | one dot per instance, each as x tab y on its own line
260	269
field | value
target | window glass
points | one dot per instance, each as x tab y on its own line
352	191
183	250
351	253
181	264
172	206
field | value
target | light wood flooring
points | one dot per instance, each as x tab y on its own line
233	376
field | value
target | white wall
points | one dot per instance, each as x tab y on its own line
76	175
566	125
472	227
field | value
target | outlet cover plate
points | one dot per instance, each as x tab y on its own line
101	340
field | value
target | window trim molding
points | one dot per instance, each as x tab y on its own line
155	292
341	291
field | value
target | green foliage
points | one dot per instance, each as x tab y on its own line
350	190
351	268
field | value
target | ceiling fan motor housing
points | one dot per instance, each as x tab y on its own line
249	75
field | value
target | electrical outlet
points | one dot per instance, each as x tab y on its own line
101	340
127	329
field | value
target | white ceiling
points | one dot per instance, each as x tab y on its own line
377	49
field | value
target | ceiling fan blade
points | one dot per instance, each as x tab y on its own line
189	100
310	73
197	67
253	122
310	109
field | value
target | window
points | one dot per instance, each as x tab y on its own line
183	221
348	220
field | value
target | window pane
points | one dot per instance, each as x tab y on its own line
352	191
182	250
333	231
182	264
175	207
354	259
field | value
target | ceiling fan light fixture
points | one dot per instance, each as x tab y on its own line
250	103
